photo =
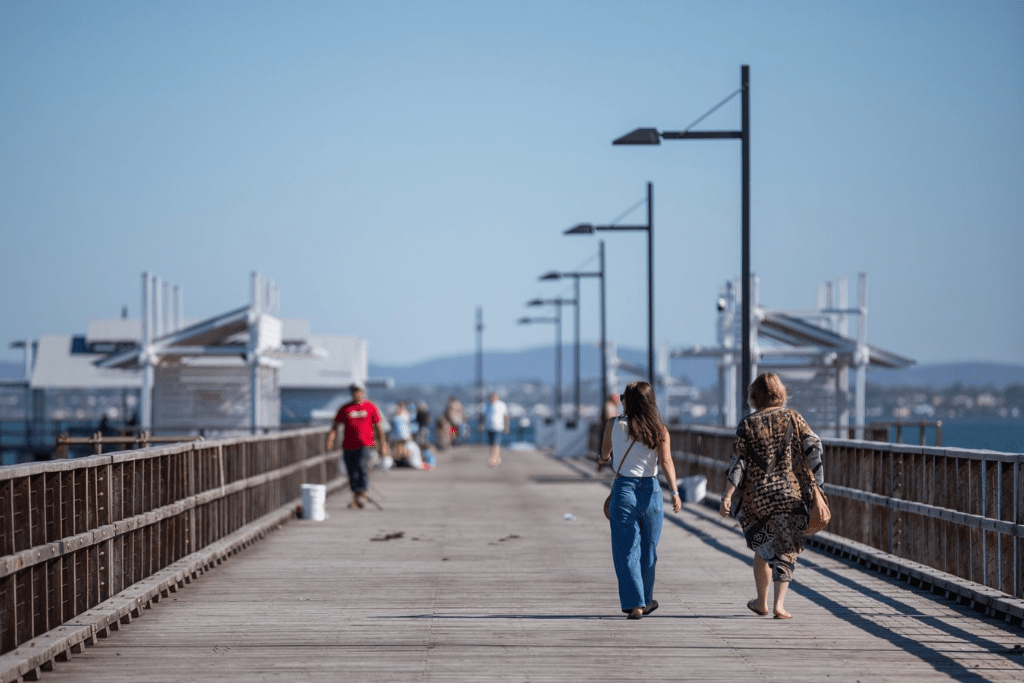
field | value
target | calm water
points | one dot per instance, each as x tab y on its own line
993	435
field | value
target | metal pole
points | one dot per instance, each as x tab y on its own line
146	391
604	338
745	133
558	359
576	351
480	358
650	284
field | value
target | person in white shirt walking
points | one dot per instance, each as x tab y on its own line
496	421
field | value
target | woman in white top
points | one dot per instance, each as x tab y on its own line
637	443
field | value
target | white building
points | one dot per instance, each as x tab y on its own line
243	370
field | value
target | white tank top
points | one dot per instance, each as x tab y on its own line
642	461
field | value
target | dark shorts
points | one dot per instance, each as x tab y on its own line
494	437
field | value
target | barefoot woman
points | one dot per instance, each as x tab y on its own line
769	464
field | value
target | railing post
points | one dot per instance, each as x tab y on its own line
984	513
61	453
1018	516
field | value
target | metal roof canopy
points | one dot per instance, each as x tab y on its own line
812	340
809	338
250	334
217	336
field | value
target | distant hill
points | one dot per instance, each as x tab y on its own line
942	375
534	364
539	364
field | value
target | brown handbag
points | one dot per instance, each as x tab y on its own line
818	514
608	500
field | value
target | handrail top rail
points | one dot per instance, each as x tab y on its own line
907	449
29	469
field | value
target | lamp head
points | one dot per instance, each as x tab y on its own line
535	302
553	275
524	321
640	136
581	229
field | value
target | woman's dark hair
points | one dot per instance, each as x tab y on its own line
641	411
767	391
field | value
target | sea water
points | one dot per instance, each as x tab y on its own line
1006	436
992	435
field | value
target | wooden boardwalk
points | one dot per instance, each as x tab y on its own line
505	574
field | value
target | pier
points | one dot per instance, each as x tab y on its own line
468	573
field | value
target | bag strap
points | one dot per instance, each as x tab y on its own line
807	463
784	445
621	462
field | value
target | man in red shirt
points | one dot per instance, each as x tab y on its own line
361	420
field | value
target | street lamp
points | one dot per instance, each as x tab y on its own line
590	229
480	360
556	275
557	320
557	303
652	136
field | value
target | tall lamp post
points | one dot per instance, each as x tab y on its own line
652	136
480	360
556	275
589	229
557	320
558	302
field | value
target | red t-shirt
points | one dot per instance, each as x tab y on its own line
358	419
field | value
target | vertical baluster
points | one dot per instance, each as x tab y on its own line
117	490
8	613
1018	518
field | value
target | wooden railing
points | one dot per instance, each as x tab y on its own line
75	533
97	442
955	510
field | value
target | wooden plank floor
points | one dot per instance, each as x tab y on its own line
490	581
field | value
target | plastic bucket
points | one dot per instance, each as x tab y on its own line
693	489
314	502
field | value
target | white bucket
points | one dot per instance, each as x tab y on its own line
314	502
693	489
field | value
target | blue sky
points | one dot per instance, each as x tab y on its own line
394	165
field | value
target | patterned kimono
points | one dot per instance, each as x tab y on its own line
776	484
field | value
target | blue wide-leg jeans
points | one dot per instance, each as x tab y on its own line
636	514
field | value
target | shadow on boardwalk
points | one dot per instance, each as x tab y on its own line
482	574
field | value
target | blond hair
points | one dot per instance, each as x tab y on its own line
767	391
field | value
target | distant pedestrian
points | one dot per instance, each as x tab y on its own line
423	423
361	421
496	421
443	433
456	417
636	444
775	454
401	424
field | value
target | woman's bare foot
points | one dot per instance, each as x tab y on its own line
758	608
637	613
782	614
